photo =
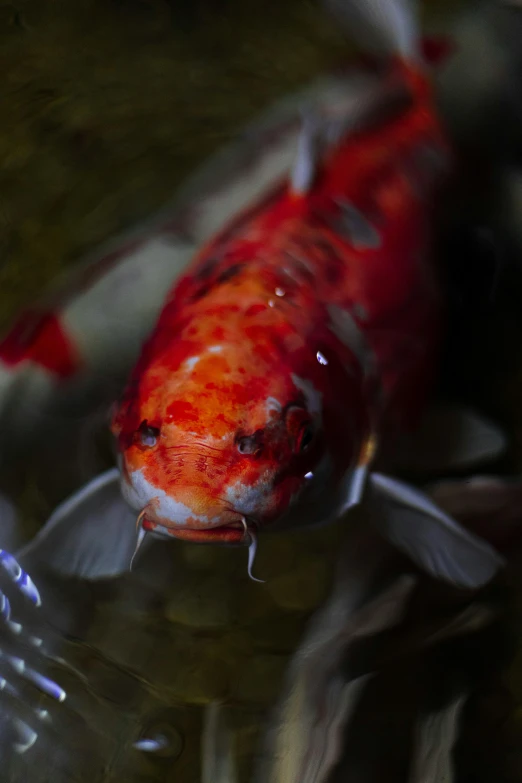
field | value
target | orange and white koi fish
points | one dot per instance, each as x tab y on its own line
300	344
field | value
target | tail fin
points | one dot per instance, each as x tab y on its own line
381	26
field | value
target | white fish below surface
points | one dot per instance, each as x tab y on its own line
379	685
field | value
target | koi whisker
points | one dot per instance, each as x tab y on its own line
141	535
139	519
250	532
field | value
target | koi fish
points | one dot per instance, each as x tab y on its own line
301	342
304	335
81	340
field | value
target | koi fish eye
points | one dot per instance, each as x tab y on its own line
300	429
250	444
147	435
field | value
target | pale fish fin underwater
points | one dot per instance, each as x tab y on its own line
438	544
305	740
451	438
91	535
437	734
217	752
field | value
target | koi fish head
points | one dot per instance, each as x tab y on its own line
224	443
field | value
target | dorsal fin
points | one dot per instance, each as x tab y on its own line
363	109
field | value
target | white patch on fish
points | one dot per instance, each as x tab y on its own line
314	398
215	349
247	499
142	492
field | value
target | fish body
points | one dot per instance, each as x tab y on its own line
302	331
301	342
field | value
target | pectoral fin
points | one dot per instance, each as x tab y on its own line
434	541
91	535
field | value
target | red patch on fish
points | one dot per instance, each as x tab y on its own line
40	338
179	410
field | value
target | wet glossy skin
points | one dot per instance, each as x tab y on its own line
299	328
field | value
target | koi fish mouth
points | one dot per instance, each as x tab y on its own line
243	532
232	533
235	533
